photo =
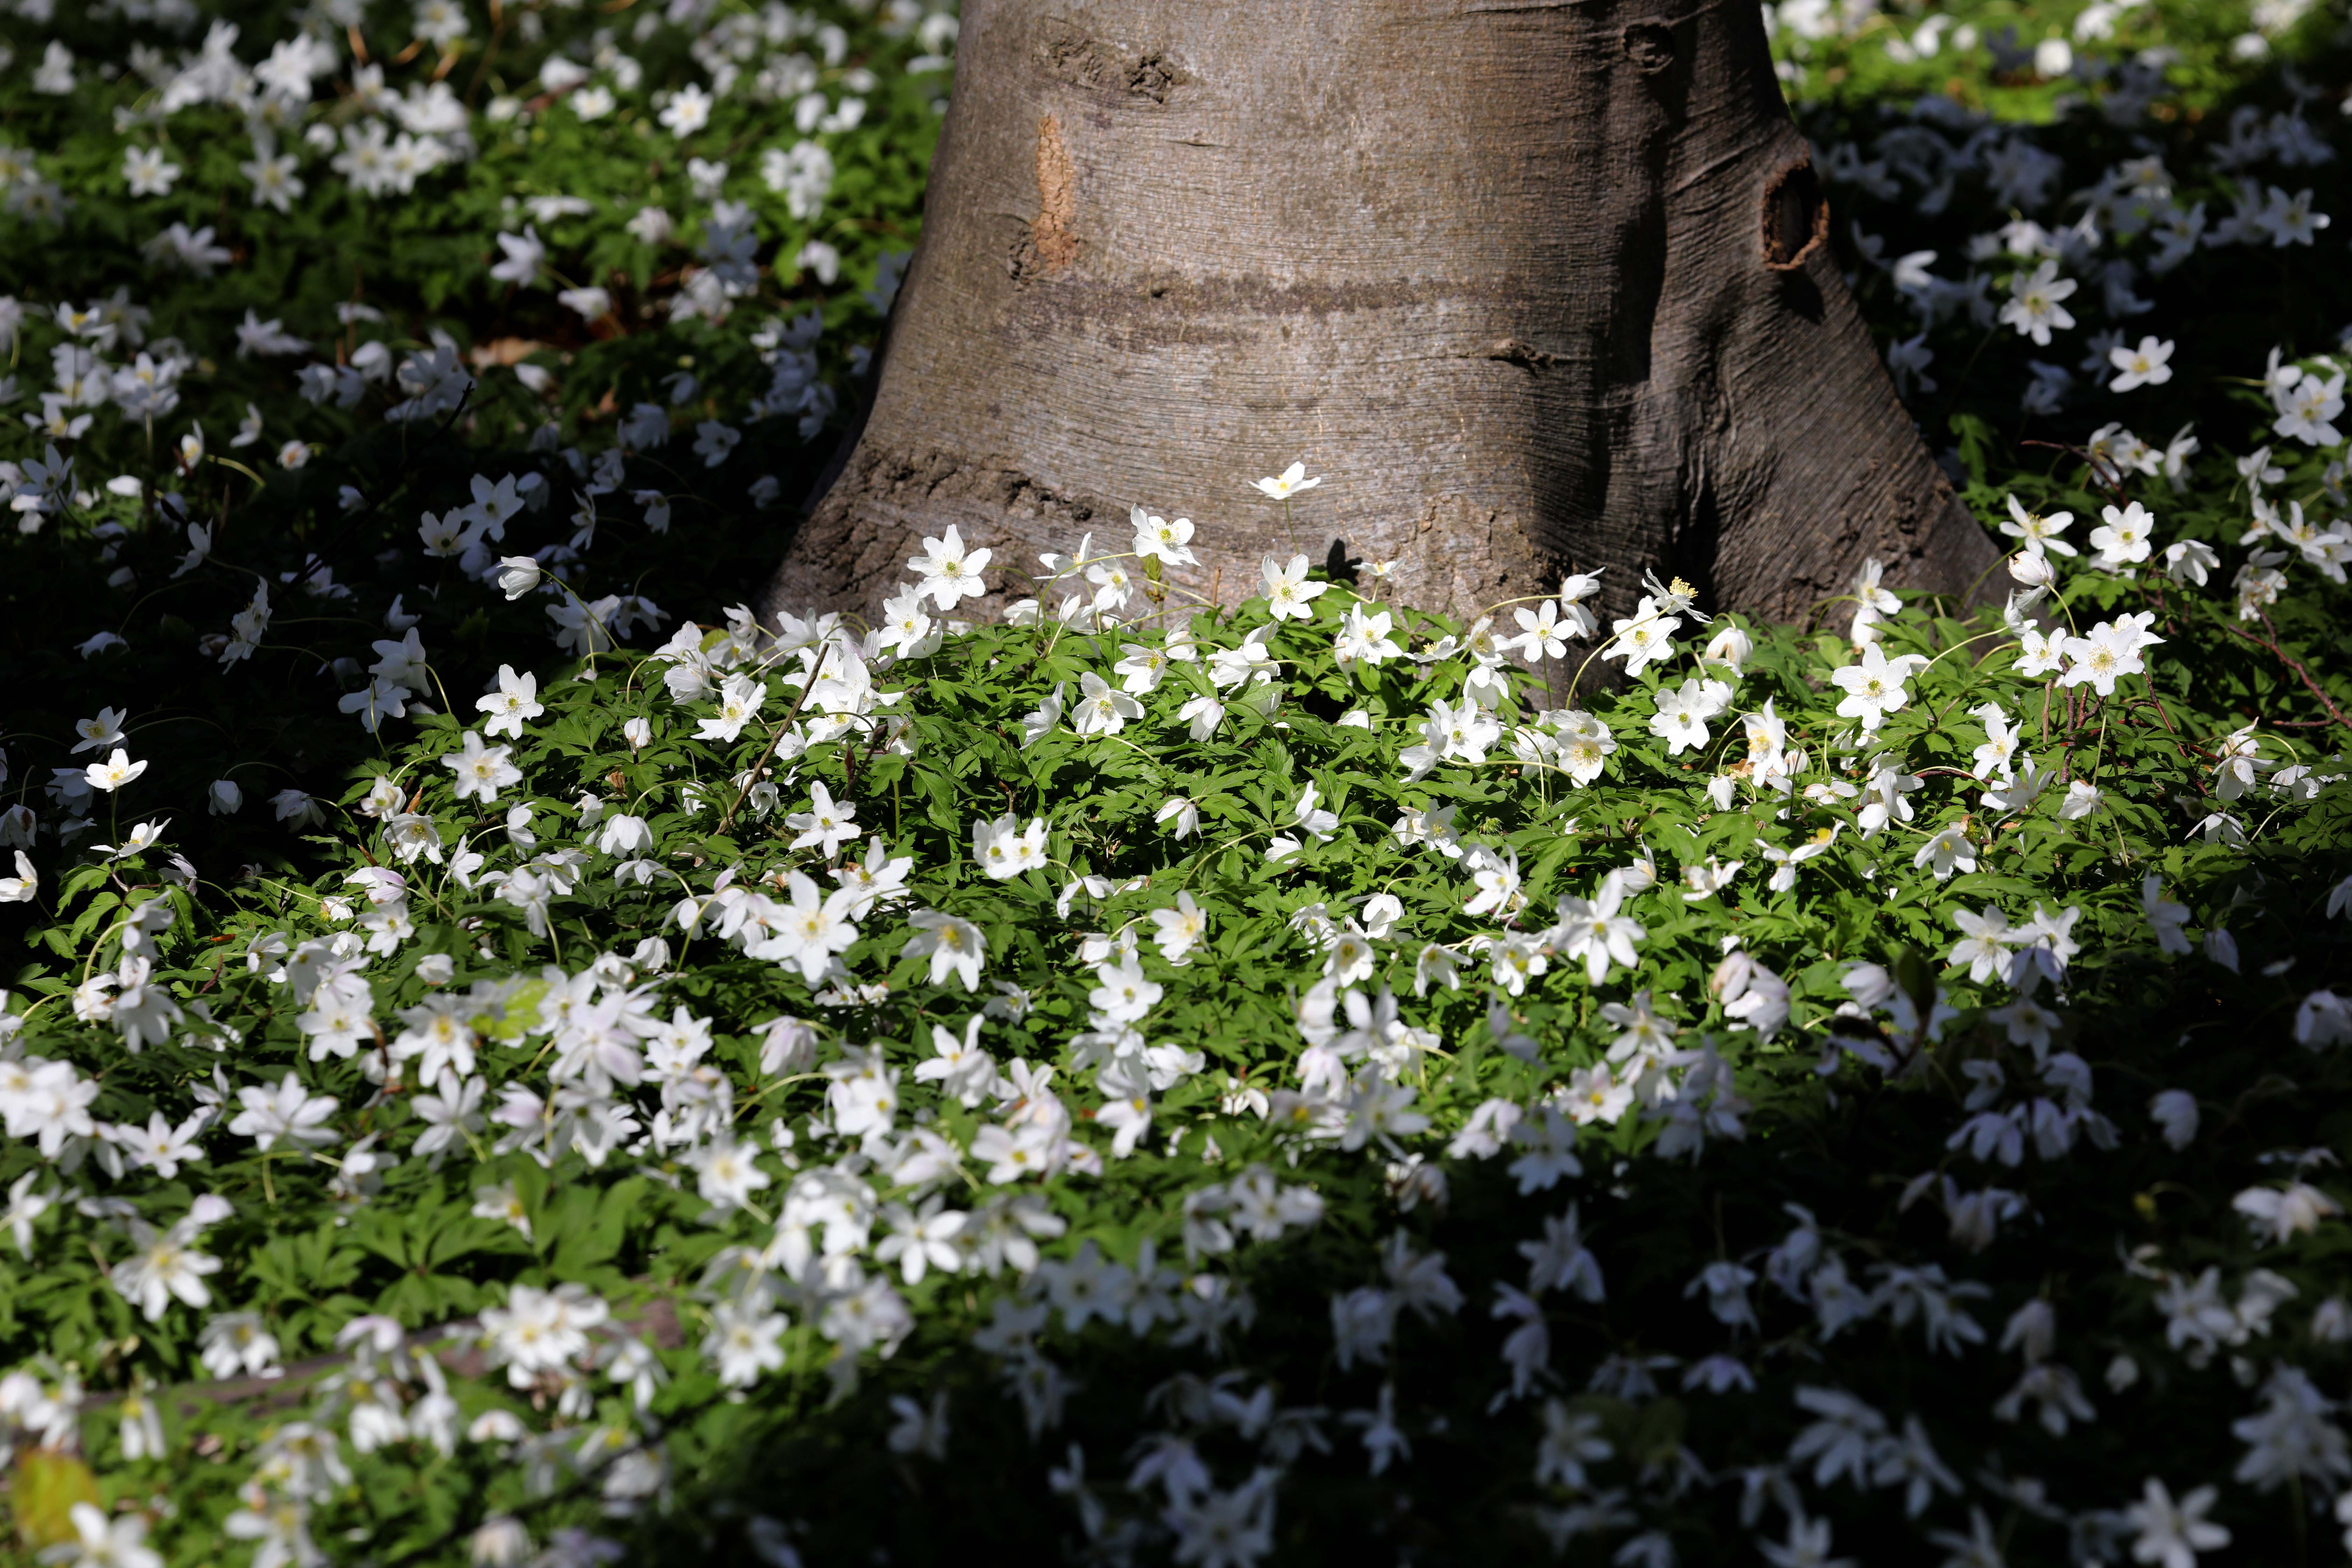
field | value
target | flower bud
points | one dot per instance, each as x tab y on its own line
499	1543
518	575
1730	646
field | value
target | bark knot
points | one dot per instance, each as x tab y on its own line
1070	55
1650	46
1152	77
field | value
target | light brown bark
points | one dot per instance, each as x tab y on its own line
1536	284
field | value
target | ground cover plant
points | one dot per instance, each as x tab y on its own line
506	1060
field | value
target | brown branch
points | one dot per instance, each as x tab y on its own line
775	737
2281	654
2098	469
657	1322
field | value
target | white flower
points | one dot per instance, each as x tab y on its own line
1102	708
2175	1111
954	945
2034	307
1289	594
1682	714
99	733
622	834
2124	541
1158	538
1311	816
811	929
515	701
738	703
114	773
292	806
2282	1213
1706	878
688	111
1201	715
1142	671
1036	726
1181	929
1874	685
2109	653
1595	931
2290	1439
287	1114
1542	633
1183	813
2081	799
1784	862
23	887
2039	533
2039	655
236	1343
525	258
744	1341
2323	1019
1732	647
1585	746
2190	561
919	1241
588	303
164	1265
482	771
2172	1534
1868	593
959	1066
2147	365
950	574
1291	480
713	441
101	1543
1947	851
726	1175
1463	733
1643	637
413	835
275	183
1571	1440
1365	639
826	824
148	171
1984	943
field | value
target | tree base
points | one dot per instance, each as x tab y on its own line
1537	287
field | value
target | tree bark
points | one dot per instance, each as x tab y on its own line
1536	284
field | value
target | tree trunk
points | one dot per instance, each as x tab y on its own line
1536	284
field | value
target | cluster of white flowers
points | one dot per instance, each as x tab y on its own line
623	1082
2133	219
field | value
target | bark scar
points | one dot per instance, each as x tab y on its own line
1796	219
1050	237
1510	351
